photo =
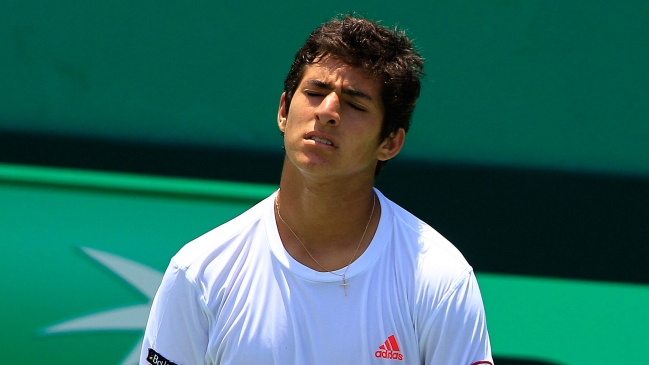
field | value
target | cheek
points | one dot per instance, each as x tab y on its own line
368	144
364	146
298	111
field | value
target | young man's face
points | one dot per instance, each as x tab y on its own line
334	120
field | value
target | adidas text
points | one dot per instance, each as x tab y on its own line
386	354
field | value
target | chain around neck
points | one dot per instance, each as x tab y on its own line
307	250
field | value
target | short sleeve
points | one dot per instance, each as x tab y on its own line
457	330
177	329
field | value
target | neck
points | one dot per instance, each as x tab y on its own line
328	217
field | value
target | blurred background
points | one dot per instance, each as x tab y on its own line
129	128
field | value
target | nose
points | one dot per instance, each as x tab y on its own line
328	112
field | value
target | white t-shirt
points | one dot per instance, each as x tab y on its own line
235	296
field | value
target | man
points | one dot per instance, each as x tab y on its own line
327	270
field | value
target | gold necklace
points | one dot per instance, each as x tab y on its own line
344	284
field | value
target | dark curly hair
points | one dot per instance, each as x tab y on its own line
386	54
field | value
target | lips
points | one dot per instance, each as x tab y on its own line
320	138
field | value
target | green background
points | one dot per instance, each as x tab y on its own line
528	150
516	83
49	214
55	212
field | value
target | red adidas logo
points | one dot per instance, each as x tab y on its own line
389	349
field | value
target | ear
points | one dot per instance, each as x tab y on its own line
281	113
391	146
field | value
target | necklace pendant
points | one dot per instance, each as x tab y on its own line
344	285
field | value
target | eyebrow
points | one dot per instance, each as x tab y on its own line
345	90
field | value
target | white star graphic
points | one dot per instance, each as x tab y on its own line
133	318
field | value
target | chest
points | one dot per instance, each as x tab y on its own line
270	316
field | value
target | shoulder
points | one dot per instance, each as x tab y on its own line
224	242
436	273
423	240
434	260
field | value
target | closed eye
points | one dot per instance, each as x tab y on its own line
320	94
312	93
357	107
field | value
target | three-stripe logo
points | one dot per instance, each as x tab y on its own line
389	349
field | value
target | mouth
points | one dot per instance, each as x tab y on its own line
321	140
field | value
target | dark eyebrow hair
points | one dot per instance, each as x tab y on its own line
345	90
